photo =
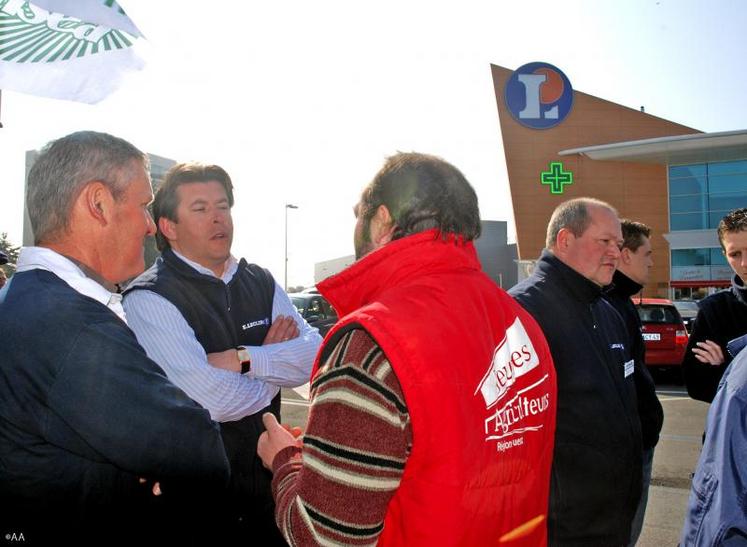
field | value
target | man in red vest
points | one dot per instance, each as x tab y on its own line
433	399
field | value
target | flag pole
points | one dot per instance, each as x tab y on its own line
1	107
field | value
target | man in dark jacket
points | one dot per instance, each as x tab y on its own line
199	305
633	272
85	415
596	475
721	317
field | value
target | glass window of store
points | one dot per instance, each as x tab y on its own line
700	195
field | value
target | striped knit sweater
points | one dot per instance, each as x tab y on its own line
335	490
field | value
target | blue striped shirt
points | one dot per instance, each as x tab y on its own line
170	341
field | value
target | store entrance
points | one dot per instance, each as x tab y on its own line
692	293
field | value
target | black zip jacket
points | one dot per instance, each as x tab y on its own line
596	474
721	318
649	408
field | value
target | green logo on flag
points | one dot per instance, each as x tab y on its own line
29	34
556	177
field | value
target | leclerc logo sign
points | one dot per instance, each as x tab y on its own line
539	95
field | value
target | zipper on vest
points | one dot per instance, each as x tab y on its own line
228	298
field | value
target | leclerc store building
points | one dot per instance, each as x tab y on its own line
560	144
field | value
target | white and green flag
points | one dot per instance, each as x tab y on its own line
66	49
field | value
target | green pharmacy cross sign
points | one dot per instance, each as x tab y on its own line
556	177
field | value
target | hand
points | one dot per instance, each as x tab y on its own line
283	328
709	352
274	439
293	430
227	360
156	488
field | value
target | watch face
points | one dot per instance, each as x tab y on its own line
243	355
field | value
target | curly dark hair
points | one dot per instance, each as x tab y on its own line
735	221
423	192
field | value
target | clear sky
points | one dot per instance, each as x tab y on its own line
302	101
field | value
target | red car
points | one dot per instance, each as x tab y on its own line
664	332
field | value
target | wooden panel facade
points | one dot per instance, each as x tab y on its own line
638	191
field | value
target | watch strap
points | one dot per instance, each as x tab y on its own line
243	356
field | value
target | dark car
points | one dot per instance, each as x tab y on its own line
664	332
688	311
315	310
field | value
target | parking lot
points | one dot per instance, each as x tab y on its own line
674	461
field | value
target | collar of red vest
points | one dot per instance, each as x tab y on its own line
396	262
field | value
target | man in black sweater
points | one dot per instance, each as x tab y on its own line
633	271
721	317
596	473
85	415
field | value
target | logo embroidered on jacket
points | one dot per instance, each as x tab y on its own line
514	357
522	411
259	323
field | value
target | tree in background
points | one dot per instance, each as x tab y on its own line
12	251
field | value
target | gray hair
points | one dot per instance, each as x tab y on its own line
574	216
65	166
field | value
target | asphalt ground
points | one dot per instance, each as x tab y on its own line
675	459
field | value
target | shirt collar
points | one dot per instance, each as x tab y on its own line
582	288
738	289
229	269
403	261
41	258
623	284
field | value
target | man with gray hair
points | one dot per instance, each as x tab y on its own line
87	420
596	473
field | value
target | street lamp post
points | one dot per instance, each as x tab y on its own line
287	206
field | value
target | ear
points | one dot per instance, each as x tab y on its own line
97	201
382	226
625	255
564	240
168	228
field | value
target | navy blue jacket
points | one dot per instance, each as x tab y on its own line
649	408
721	318
717	509
84	413
596	474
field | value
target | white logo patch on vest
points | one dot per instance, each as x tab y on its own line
520	414
514	357
253	324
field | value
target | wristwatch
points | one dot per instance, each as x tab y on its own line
244	359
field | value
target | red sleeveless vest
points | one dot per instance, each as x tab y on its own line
479	384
